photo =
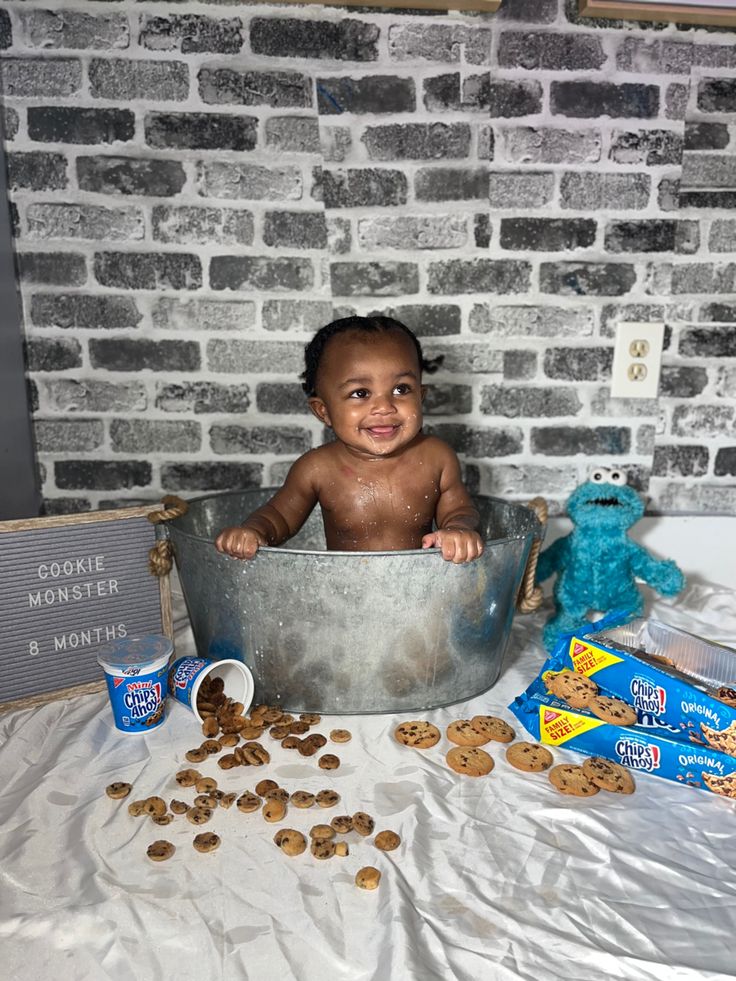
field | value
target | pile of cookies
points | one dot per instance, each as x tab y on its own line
224	726
595	774
468	735
468	759
581	692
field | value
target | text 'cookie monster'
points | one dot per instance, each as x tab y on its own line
597	564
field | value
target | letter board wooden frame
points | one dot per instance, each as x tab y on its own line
68	584
706	12
487	6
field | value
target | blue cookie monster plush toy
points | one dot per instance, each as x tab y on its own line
597	563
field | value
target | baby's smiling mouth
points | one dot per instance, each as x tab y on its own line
382	431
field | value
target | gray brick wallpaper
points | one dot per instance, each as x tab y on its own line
197	186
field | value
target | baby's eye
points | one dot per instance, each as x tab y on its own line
359	393
402	389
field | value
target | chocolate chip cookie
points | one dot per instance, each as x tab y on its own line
248	802
529	757
572	780
367	878
572	687
290	841
327	798
118	790
725	786
612	710
470	761
493	727
387	841
463	733
724	740
208	841
608	775
419	734
302	798
160	851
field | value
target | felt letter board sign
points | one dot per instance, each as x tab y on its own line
69	584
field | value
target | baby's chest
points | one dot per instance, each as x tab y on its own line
380	501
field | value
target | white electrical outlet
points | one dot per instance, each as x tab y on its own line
637	359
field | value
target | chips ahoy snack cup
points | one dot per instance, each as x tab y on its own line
187	674
136	670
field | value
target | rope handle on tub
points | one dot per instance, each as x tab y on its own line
174	507
161	555
530	594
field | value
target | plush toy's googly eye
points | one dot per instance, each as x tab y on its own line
617	477
599	475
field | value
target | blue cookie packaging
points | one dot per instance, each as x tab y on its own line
684	691
552	722
673	679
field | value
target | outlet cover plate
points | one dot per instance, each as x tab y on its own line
623	386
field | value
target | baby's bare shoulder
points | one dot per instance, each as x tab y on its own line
435	449
440	460
314	463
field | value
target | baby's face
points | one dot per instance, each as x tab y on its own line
369	391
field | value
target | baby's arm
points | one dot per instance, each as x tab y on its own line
456	516
278	519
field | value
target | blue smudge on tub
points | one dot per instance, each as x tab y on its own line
352	632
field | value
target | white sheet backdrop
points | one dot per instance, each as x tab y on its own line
497	878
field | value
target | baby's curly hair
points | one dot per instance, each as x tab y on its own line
370	325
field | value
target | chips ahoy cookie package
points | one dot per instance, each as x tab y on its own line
640	748
682	687
674	679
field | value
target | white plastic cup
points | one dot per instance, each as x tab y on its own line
136	674
187	674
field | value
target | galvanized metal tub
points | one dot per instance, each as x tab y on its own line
352	632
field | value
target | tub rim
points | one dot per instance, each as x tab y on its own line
535	531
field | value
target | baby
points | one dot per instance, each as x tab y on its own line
382	482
